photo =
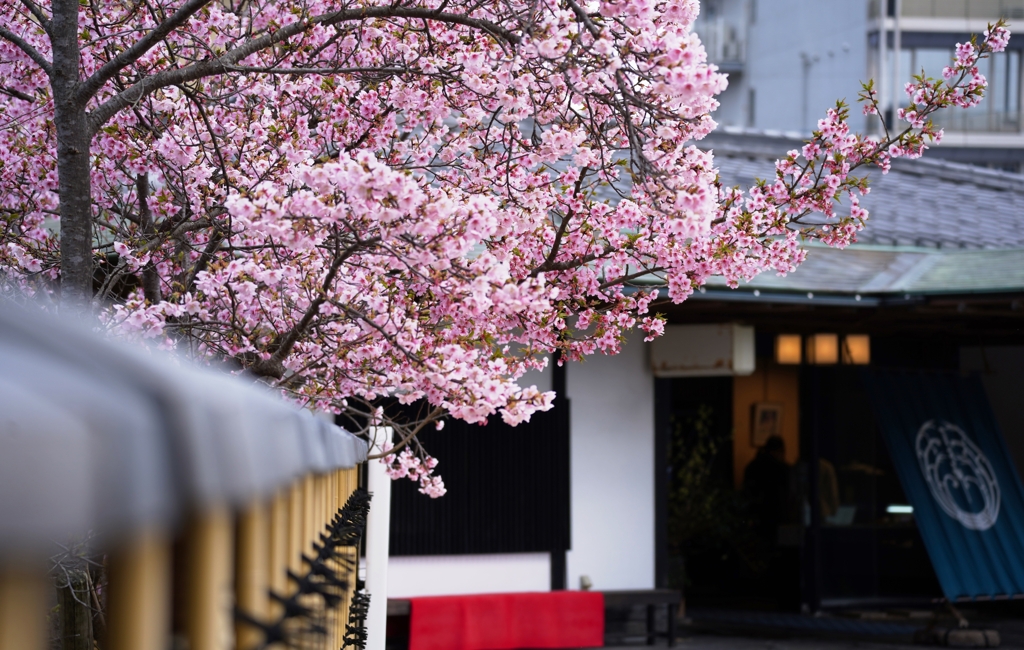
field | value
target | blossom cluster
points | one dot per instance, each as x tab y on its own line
412	202
407	464
811	182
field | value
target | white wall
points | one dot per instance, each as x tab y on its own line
612	463
441	575
612	470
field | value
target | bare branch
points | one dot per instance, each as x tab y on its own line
32	52
435	413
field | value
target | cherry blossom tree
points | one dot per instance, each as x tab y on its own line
417	200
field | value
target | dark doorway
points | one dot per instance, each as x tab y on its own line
859	547
850	549
702	507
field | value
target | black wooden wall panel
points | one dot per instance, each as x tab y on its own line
508	490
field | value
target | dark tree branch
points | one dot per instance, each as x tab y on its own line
37	13
32	52
584	18
216	237
549	261
632	276
580	261
219	65
352	313
282	345
17	94
150	277
213	136
321	71
407	438
154	37
74	141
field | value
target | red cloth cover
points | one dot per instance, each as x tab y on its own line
556	619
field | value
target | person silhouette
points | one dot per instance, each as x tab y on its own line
766	485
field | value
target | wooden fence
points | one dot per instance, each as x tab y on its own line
232	561
223	517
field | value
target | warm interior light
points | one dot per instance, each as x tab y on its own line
787	349
857	349
823	349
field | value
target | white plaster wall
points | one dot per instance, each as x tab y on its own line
612	488
443	575
612	469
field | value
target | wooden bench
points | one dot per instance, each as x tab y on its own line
651	599
399	608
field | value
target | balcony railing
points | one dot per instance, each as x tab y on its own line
724	41
977	9
980	121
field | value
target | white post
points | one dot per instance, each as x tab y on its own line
378	529
883	64
897	74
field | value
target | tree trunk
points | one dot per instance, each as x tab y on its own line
76	611
73	142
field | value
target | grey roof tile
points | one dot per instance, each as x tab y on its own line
934	226
878	270
925	203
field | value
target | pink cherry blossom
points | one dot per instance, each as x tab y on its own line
357	201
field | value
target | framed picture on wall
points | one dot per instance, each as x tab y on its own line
765	422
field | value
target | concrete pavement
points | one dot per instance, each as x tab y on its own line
714	642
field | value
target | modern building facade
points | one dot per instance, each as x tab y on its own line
790	60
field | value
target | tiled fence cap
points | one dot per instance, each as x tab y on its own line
147	437
46	471
314	451
126	456
343	448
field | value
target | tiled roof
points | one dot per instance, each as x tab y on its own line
934	226
885	270
922	203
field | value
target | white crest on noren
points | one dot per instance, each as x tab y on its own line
958	474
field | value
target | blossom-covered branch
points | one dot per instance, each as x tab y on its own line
373	203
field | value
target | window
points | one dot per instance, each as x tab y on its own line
751	107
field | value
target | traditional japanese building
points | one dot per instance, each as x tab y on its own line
585	494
